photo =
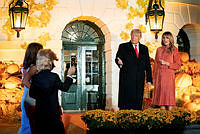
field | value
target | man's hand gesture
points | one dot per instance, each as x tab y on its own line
120	61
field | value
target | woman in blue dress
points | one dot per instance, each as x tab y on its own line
28	103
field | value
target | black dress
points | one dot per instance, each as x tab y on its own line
132	75
44	89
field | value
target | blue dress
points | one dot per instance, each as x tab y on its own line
25	124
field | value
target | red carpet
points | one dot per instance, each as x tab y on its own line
74	119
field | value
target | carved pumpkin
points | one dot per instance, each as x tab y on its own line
183	80
184	56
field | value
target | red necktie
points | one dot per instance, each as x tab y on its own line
136	51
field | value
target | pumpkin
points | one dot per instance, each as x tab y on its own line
190	106
2	68
187	93
196	79
197	100
183	80
12	82
194	67
184	67
4	76
184	56
186	97
10	85
12	68
195	96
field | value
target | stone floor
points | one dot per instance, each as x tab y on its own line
72	123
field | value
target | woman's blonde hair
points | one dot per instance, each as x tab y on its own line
171	40
45	58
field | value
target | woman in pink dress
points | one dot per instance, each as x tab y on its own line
167	60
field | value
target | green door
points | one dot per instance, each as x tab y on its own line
84	93
83	45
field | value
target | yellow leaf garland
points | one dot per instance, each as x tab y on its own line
123	4
134	12
43	38
142	28
124	35
129	26
33	20
24	45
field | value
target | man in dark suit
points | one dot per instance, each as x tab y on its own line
133	60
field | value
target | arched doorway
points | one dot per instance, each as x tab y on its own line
192	31
183	42
83	45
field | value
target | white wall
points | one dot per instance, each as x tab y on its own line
113	21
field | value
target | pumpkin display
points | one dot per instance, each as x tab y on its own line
184	56
12	68
11	91
183	80
187	80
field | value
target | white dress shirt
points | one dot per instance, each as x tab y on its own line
137	47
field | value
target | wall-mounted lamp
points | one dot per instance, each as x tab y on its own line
155	15
18	12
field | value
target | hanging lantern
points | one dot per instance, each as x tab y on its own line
18	13
155	15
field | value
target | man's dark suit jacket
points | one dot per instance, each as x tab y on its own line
44	89
132	75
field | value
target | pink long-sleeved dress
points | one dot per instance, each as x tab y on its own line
164	77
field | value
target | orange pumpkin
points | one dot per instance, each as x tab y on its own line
190	106
12	68
12	82
2	68
183	80
196	79
184	56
